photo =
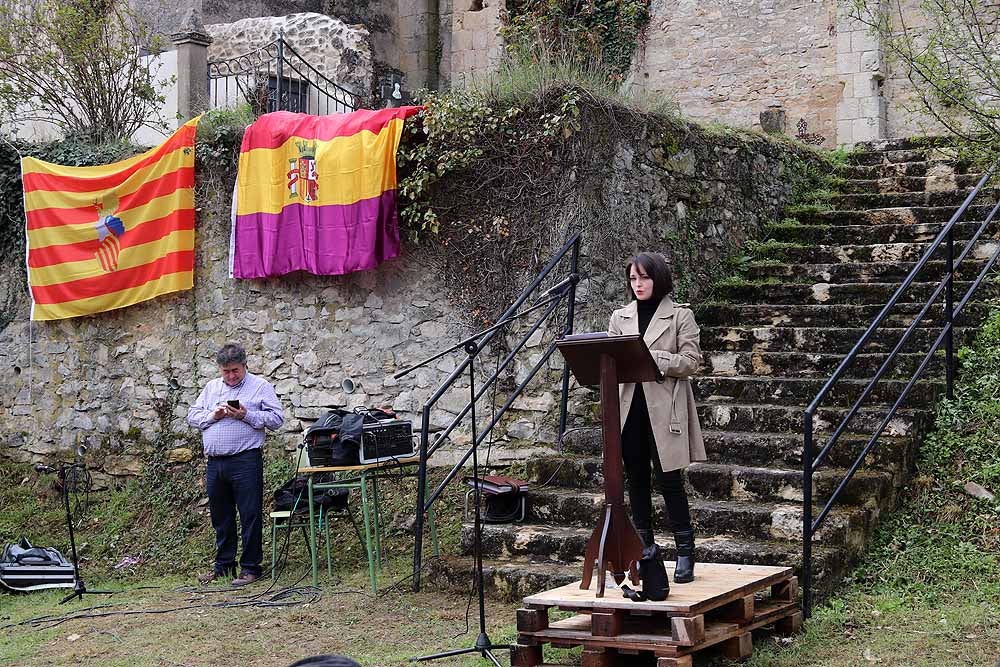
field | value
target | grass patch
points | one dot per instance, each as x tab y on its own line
521	81
778	250
806	209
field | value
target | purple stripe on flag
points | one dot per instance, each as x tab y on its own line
323	240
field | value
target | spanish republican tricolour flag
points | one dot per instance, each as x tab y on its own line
317	193
107	237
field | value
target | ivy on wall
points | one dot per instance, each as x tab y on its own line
601	33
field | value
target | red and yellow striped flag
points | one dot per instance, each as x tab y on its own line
107	237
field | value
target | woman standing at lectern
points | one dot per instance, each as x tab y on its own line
659	419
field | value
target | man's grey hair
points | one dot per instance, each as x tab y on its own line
231	353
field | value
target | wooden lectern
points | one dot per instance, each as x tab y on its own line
600	359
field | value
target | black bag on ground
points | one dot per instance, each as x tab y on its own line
295	494
24	567
653	574
335	438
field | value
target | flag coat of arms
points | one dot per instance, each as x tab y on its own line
106	237
317	193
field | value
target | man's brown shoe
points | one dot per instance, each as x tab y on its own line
244	579
209	577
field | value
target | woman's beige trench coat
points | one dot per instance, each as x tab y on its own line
674	341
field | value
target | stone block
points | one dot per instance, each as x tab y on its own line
844	42
845	133
872	61
865	85
862	40
874	107
849	109
480	40
848	63
867	129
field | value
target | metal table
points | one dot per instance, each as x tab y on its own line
359	477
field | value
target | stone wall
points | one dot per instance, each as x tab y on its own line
475	43
339	52
905	116
723	60
728	61
121	381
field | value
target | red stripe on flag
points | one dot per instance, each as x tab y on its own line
175	262
147	192
145	232
273	130
107	253
40	181
102	257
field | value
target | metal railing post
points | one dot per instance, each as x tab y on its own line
418	524
570	313
949	319
281	71
807	529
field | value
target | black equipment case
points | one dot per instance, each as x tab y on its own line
24	567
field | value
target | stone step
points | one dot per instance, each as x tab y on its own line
808	365
583	461
888	254
891	169
831	315
943	181
830	340
845	235
853	202
729	481
857	272
942	143
893	215
892	454
726	481
539	543
847	526
836	294
758	418
893	156
513	578
800	391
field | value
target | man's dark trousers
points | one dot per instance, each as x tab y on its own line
236	484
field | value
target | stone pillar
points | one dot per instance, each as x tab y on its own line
192	65
861	113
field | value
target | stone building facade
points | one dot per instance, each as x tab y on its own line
722	60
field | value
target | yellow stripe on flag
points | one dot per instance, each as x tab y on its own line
28	164
342	179
172	282
38	199
132	218
128	258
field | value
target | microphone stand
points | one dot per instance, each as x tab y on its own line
79	587
483	645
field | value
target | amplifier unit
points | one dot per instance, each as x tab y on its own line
385	440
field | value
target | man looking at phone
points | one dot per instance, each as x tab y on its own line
232	412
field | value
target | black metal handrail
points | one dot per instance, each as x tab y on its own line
275	77
427	448
810	464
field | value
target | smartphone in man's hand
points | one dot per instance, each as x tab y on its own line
234	404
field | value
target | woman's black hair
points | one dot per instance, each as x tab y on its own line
656	267
325	661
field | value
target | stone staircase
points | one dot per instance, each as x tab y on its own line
770	341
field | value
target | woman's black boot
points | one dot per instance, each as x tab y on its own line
647	537
684	572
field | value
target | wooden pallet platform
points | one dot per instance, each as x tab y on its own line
723	605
